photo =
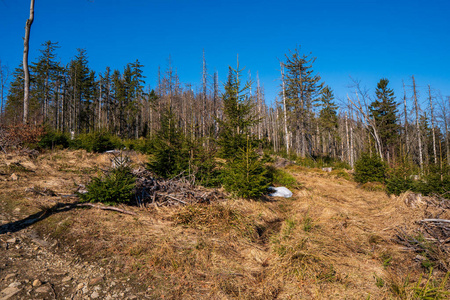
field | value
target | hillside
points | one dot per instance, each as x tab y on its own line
331	240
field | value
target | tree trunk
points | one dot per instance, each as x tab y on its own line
26	71
432	125
286	134
419	139
406	120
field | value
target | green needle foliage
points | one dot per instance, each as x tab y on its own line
171	154
370	168
246	176
115	187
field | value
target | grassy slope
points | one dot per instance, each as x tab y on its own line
332	240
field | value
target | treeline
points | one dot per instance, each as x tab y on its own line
304	122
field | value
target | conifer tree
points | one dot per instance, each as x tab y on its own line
302	87
244	173
328	115
384	112
45	76
171	156
238	115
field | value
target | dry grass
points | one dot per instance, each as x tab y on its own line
332	240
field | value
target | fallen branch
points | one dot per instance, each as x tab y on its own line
435	220
107	208
173	198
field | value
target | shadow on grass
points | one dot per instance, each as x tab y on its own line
39	216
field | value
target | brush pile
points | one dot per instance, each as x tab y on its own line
167	192
431	238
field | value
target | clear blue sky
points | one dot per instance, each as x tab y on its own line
367	40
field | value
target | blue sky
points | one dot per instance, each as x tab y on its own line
366	40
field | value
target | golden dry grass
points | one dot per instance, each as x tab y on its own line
332	240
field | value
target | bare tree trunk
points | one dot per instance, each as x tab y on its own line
286	134
26	71
204	91
432	124
347	139
352	157
406	119
447	144
419	138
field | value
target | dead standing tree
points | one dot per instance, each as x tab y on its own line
368	121
26	71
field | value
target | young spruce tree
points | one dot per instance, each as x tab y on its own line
244	174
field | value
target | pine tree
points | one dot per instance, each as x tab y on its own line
384	112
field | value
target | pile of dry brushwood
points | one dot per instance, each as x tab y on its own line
431	238
167	192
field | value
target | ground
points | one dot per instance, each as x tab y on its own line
331	240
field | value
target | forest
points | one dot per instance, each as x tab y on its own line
403	135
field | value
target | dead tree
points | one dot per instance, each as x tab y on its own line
432	124
26	71
419	138
286	134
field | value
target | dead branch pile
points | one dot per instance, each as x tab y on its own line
431	238
168	192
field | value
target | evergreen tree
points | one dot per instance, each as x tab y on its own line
302	88
238	115
45	77
384	112
14	99
171	156
81	81
244	174
328	119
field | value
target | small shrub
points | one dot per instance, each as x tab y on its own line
115	187
96	142
369	169
142	145
279	177
54	139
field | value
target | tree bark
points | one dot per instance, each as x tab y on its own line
26	71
